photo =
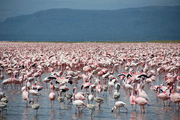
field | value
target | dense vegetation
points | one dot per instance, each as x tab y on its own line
135	24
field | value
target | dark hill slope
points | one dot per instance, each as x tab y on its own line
135	24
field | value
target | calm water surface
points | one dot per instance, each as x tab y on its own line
17	109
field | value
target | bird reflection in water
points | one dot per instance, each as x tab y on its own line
25	114
35	117
52	112
133	115
78	116
121	115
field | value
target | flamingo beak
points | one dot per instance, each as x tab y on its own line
112	110
81	87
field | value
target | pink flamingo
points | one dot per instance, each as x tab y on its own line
177	85
6	82
36	86
99	88
63	88
141	102
78	104
86	85
47	80
175	97
17	81
132	97
52	95
30	74
34	93
79	95
25	94
142	93
37	74
118	105
163	96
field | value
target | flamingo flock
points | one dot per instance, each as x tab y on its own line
85	73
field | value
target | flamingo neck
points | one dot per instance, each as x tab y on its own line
26	86
133	90
75	92
173	90
158	91
52	88
137	94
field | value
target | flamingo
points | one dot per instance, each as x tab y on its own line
37	87
111	85
127	86
78	104
2	94
79	95
99	88
162	96
175	97
60	98
116	95
118	105
177	85
68	96
99	101
35	106
105	89
3	105
6	82
52	95
142	93
63	88
5	99
25	94
90	106
141	102
37	74
91	95
86	85
117	86
48	79
34	93
132	96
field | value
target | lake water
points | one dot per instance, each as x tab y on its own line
17	109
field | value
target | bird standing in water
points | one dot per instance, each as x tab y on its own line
35	106
52	95
118	105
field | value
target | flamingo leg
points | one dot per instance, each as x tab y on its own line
83	108
126	109
51	104
132	107
141	109
59	106
175	106
178	107
163	103
92	111
78	109
26	103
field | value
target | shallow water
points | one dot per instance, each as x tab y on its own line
17	109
